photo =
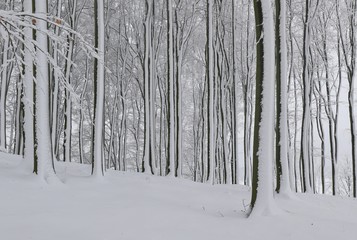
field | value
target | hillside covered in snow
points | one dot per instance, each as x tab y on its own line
132	206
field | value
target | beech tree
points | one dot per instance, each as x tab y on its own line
149	145
282	165
44	164
211	103
68	72
170	77
263	153
98	167
28	97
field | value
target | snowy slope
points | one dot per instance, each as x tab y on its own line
136	206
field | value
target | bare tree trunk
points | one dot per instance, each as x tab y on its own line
149	146
3	90
97	161
210	80
171	102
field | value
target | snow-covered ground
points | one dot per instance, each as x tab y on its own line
136	206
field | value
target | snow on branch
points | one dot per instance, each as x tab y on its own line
12	25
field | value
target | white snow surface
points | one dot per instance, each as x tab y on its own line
127	205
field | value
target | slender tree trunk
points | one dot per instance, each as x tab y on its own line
55	82
210	78
98	168
282	167
148	144
178	112
4	88
170	100
236	100
67	146
28	98
305	132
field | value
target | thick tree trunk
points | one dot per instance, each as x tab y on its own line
44	166
263	149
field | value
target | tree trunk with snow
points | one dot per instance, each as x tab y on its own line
28	98
235	101
4	86
351	91
44	166
98	168
307	88
178	107
149	145
55	90
262	201
67	145
170	99
282	166
211	109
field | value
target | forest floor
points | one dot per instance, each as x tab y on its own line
128	206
